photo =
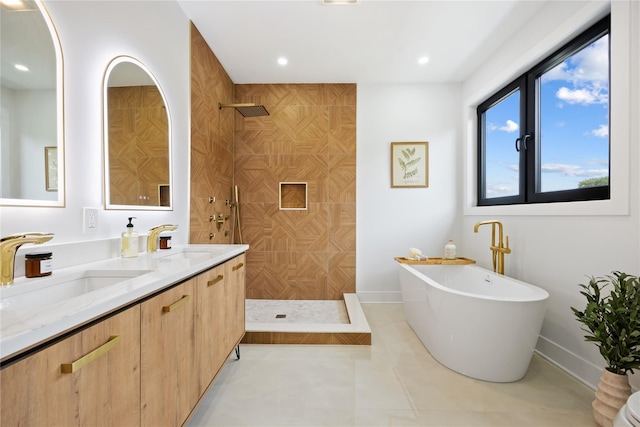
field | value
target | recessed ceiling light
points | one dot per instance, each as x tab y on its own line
283	61
21	67
423	60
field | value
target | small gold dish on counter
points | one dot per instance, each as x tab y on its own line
436	260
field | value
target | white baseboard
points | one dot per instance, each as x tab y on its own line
379	296
579	368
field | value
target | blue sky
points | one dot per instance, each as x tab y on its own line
574	109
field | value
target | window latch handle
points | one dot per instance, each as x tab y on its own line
521	143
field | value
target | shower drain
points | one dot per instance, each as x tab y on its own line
280	316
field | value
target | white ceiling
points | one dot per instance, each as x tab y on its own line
373	41
36	51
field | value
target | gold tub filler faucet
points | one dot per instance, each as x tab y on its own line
499	250
9	246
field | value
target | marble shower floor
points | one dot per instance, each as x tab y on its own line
296	311
393	382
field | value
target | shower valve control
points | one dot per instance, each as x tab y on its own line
219	219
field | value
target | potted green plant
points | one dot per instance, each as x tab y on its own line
612	321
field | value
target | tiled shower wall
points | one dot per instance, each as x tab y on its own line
310	136
211	144
138	145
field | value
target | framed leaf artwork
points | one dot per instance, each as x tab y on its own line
409	164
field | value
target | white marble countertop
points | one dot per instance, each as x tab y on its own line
28	317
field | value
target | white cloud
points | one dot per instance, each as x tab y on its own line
509	127
572	170
589	65
602	131
582	96
587	75
498	190
592	63
559	168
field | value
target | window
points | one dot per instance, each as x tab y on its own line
545	136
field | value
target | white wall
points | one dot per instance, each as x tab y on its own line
389	221
24	142
91	34
556	246
33	139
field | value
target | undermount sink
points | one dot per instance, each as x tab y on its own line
51	290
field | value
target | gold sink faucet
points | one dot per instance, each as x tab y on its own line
152	237
9	246
501	249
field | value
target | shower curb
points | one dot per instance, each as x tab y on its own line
356	332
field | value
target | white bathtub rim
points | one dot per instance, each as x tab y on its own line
539	294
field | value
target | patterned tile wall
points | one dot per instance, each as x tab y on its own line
310	136
138	145
211	143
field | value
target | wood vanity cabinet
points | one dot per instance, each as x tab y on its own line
147	365
209	320
168	356
220	316
234	322
49	389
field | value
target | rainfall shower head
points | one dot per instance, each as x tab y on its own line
247	110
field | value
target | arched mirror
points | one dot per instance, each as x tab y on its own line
137	138
31	120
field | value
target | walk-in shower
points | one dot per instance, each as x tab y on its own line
300	321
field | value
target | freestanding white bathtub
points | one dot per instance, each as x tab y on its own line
472	320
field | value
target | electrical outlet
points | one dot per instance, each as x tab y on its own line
90	220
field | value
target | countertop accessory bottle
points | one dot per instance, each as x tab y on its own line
450	250
38	264
165	242
130	241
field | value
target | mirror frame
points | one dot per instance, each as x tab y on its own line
61	202
105	138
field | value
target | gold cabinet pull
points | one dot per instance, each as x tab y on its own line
237	267
216	280
170	308
70	368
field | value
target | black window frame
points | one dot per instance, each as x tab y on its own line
528	142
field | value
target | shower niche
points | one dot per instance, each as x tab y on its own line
293	196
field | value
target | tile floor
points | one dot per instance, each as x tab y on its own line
296	311
393	382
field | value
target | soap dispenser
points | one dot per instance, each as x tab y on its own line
130	241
